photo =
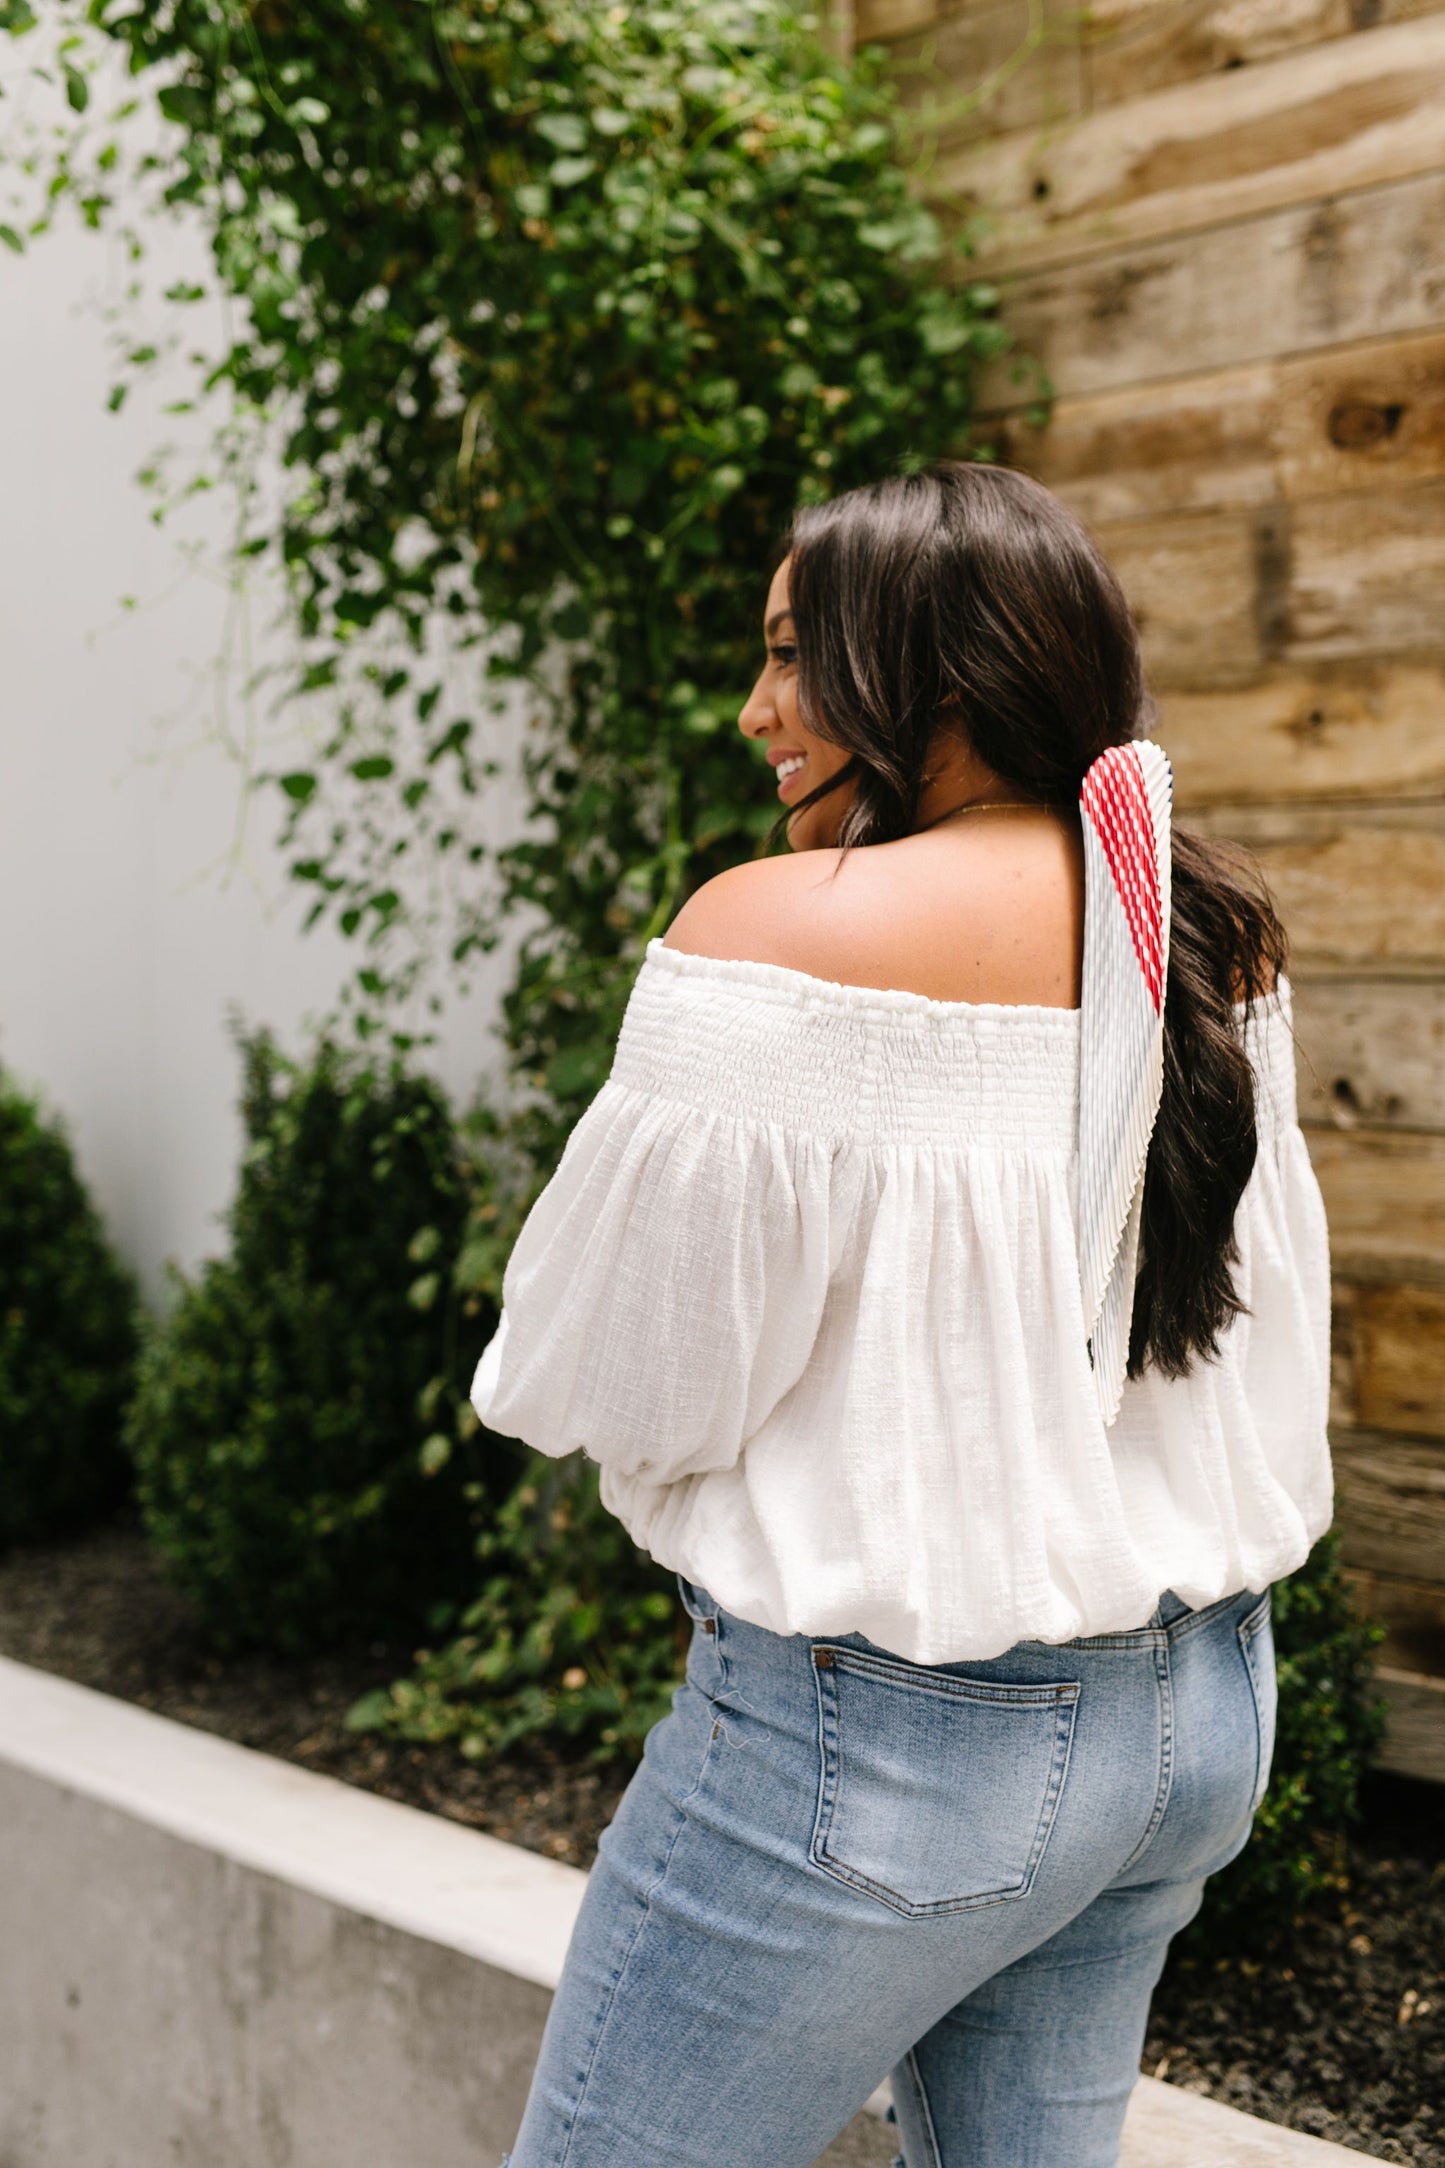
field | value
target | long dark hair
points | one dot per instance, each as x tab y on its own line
970	595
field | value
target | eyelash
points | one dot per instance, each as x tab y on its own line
784	655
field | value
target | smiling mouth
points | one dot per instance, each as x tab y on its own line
787	769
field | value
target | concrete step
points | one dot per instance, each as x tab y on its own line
1166	2128
200	1939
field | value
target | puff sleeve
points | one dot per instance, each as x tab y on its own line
1283	1335
665	1289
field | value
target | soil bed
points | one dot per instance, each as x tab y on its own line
1343	2036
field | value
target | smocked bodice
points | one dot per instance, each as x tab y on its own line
867	1065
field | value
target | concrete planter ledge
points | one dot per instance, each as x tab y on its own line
215	1958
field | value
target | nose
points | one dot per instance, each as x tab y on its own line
757	714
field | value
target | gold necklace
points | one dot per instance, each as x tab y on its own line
987	805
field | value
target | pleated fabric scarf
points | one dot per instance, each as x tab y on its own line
1126	802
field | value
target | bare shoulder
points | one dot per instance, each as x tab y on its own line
783	910
992	916
987	917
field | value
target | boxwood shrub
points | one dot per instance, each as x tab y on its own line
302	1441
67	1334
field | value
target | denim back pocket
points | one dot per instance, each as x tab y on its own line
935	1793
1256	1642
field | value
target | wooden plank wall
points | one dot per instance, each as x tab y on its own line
1220	224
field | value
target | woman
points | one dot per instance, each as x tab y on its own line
941	1284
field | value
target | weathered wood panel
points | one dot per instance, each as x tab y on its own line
1414	1742
1410	1666
1134	46
987	70
1216	595
1372	1051
1230	265
1343	1410
1412	1613
1385	1202
1392	1511
1137	46
1349	114
1351	730
1388	1355
1370	417
1367	575
1349	267
882	19
1361	417
1356	886
1195	444
1201	589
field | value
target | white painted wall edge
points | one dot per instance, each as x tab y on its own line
499	1903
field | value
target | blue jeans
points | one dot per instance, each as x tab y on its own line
832	1866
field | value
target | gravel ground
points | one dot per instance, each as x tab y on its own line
98	1610
1343	2036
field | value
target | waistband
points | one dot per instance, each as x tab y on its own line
1170	1620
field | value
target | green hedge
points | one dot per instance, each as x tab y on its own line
301	1438
67	1335
552	313
573	1634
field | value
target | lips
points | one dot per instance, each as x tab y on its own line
789	767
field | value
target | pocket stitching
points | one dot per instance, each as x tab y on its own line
898	1671
1248	1631
1062	1696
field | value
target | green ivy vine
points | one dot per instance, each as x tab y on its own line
553	312
550	313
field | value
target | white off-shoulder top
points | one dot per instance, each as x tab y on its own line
805	1285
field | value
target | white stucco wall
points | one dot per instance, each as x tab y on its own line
132	917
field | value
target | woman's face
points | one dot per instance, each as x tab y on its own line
800	760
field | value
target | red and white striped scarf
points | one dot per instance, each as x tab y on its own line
1125	800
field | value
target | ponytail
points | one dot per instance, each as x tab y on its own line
1226	947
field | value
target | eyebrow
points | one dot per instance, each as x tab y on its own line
778	617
